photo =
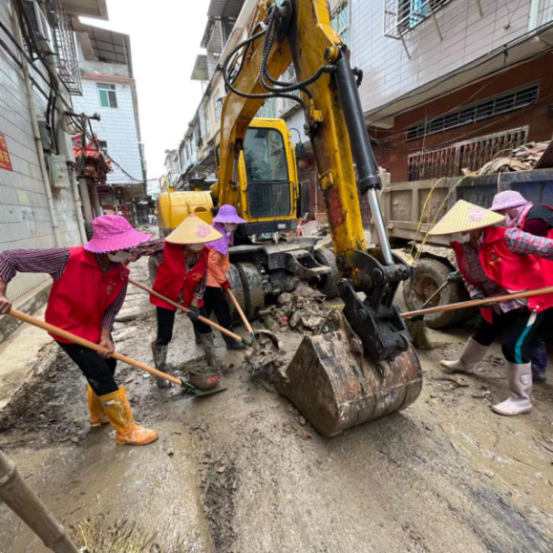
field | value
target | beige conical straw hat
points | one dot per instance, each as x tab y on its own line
193	231
463	217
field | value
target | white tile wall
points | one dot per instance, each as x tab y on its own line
389	73
24	217
117	126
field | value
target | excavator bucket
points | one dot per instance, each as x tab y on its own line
336	387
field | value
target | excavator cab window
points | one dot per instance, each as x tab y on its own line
267	172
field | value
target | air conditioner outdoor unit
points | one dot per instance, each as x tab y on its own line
39	25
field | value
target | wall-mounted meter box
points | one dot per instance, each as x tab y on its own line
58	172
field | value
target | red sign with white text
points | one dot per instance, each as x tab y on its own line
5	162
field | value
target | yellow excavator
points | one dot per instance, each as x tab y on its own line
366	366
266	192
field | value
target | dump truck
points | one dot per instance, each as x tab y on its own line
407	221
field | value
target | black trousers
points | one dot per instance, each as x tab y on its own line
166	323
518	331
98	371
215	301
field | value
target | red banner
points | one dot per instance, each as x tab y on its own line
5	162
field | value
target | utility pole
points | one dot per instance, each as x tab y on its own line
21	499
83	182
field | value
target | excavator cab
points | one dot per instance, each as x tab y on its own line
365	367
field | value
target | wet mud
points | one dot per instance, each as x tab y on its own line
243	471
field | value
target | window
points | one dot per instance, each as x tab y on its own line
402	15
108	96
480	111
103	144
269	193
340	21
218	106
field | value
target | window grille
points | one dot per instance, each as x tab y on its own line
341	21
269	109
402	15
471	154
480	111
64	46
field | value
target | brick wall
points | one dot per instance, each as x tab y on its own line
24	217
395	149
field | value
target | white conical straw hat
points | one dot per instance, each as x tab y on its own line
193	231
463	217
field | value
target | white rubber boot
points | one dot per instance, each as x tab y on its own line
471	356
520	384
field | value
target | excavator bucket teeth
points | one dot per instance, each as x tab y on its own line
336	389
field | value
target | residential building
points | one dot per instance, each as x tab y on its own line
109	90
449	84
39	200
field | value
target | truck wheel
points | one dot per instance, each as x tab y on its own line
428	276
153	263
233	276
254	294
328	284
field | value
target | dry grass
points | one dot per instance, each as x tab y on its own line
95	536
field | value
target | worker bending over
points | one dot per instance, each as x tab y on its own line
90	284
181	277
496	261
536	220
215	301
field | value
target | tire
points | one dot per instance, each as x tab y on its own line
153	263
328	284
428	276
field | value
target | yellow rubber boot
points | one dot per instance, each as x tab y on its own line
117	408
97	415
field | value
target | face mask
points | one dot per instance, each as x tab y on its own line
119	257
229	227
196	247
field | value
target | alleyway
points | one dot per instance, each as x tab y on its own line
242	472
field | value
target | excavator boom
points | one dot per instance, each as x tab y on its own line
367	367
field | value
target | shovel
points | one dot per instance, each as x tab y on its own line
477	303
185	310
254	335
188	388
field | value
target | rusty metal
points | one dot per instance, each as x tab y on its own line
336	387
471	154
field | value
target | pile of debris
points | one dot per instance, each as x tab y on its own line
536	155
302	311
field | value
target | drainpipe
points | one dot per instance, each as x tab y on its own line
534	14
36	134
96	201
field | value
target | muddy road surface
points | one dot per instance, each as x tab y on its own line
243	472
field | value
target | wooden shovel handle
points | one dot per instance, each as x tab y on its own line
240	312
185	310
91	345
478	303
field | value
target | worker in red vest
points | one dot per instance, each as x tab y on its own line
536	220
497	261
89	288
181	277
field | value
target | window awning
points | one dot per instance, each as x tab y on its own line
88	8
514	53
220	9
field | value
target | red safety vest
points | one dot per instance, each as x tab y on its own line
513	272
172	278
79	300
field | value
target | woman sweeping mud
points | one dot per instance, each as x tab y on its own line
90	284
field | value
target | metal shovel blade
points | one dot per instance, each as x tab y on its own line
336	389
216	390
